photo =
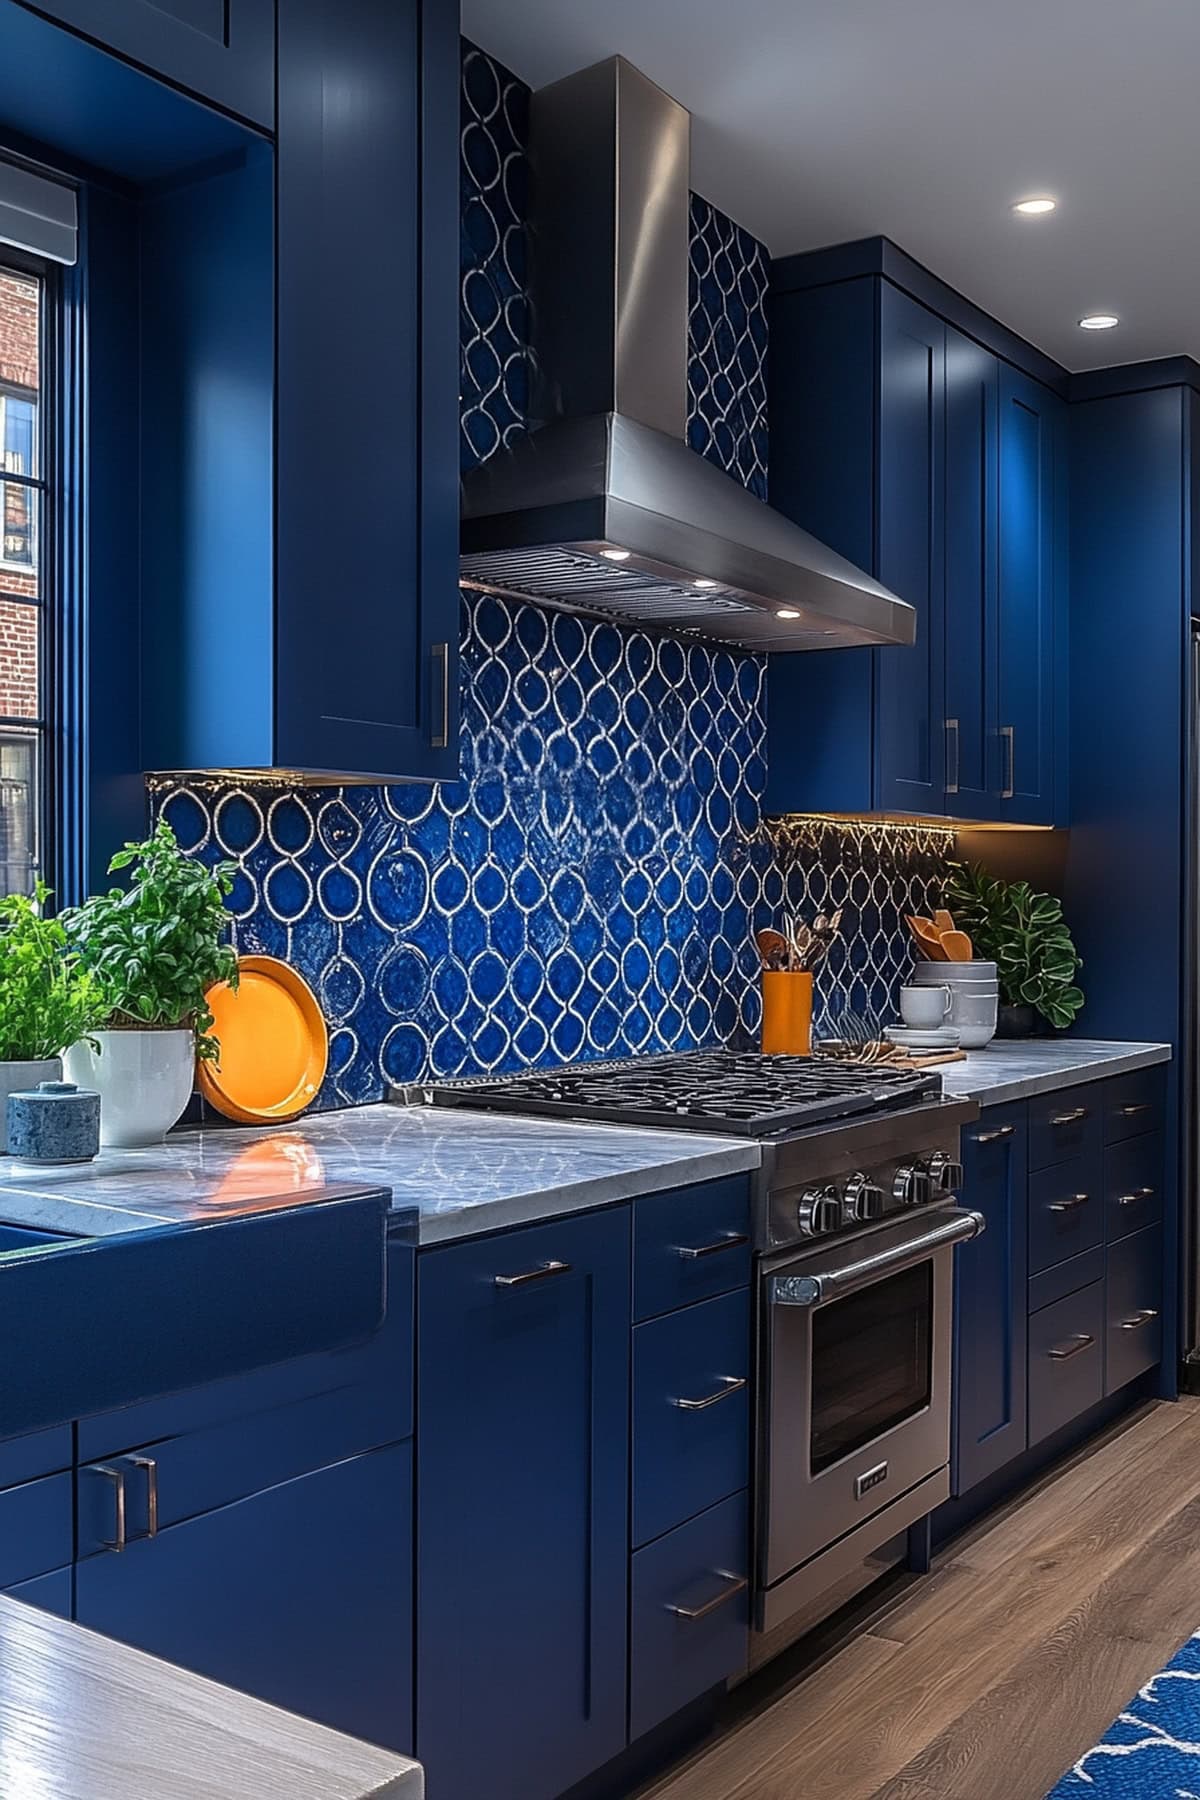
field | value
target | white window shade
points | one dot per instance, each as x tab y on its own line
37	214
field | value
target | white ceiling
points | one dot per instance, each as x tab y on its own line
817	121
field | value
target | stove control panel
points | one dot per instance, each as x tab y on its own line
863	1195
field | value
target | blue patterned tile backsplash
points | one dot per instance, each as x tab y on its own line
591	885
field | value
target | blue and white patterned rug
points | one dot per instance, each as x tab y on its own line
1152	1750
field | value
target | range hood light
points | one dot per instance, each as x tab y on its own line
616	555
704	582
787	612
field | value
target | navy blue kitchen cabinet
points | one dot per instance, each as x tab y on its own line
306	528
913	448
990	1302
522	1508
222	50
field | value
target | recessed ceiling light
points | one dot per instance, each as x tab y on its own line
787	612
704	582
616	555
1035	205
1098	321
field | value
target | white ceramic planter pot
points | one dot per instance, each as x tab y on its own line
144	1080
18	1078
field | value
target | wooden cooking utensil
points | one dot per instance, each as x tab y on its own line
774	949
943	920
929	940
958	946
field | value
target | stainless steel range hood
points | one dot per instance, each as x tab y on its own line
603	508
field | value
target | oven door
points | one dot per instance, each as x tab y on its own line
856	1340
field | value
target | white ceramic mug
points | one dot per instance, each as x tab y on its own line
924	1007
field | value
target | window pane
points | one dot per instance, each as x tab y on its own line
20	371
19	544
19	775
20	694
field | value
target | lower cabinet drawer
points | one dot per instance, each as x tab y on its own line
689	1613
1133	1178
691	1412
1134	1103
36	1528
49	1593
1135	1292
689	1244
1066	1211
1066	1360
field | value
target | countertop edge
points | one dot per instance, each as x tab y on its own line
1025	1087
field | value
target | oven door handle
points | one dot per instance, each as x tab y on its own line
955	1227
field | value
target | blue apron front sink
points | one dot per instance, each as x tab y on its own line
88	1324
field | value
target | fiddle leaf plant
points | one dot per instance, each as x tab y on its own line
48	999
1025	935
158	946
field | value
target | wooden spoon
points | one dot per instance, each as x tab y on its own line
943	920
929	940
773	948
958	946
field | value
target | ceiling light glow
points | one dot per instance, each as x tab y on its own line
1098	321
616	555
1035	206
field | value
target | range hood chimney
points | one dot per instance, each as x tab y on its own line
603	508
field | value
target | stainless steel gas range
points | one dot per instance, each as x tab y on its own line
856	1218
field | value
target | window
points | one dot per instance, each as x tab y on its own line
23	597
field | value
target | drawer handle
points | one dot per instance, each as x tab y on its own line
1070	1118
730	1384
1069	1204
539	1274
1137	1194
1138	1319
997	1131
151	1467
1072	1347
117	1477
735	1584
439	737
1134	1109
729	1240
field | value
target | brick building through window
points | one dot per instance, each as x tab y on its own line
21	574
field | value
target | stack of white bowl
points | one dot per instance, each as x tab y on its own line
973	997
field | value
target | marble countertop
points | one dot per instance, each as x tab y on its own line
455	1172
85	1718
1014	1069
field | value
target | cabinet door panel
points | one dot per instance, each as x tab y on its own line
523	1431
972	400
301	1595
1023	687
990	1301
910	742
367	510
221	49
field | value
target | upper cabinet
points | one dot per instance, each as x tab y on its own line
300	419
222	50
916	451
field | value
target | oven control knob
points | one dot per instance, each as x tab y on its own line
862	1200
911	1186
945	1172
819	1212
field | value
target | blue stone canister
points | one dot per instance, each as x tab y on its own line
55	1122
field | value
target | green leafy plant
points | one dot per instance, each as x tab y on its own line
1025	935
157	946
48	999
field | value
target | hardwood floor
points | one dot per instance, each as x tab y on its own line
985	1680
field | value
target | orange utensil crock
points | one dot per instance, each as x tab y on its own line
787	1012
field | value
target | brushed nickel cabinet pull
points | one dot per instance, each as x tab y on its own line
527	1275
730	1384
1070	1204
151	1467
1008	735
1070	1118
1133	1111
440	737
1137	1194
1138	1319
952	760
997	1131
1072	1347
729	1240
736	1584
117	1477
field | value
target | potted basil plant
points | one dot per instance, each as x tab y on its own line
1025	935
156	947
48	999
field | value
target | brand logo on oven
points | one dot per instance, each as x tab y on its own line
871	1479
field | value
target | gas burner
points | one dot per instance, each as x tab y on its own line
736	1092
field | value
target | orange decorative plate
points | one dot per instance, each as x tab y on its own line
274	1046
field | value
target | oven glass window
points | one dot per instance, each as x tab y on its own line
871	1363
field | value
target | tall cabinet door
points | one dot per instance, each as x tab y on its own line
366	647
972	489
522	1497
910	719
1031	500
990	1300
